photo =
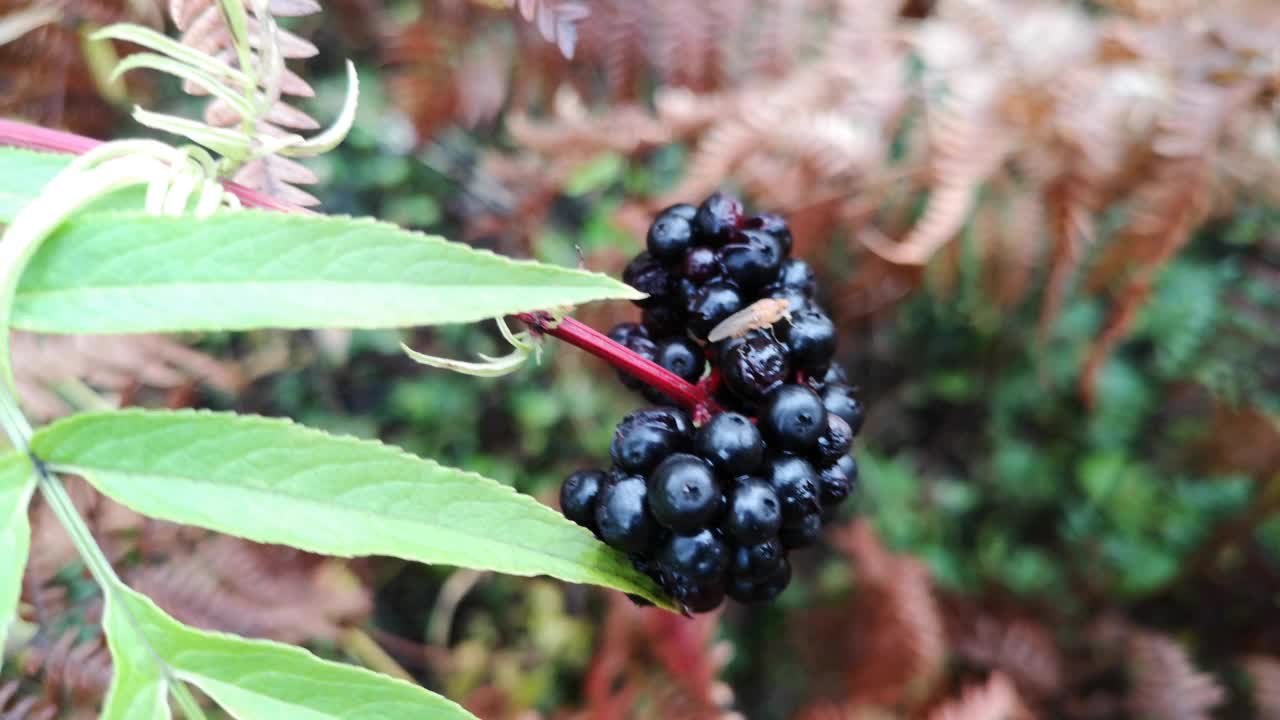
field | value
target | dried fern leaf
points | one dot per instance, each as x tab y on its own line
995	699
1164	682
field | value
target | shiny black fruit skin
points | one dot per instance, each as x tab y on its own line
802	532
716	218
709	305
810	339
732	443
796	300
623	333
833	486
671	233
700	557
838	398
751	259
684	494
662	321
698	597
753	365
645	437
578	496
754	513
647	275
835	442
683	357
793	418
795	274
701	264
795	482
747	591
849	467
773	224
756	562
622	516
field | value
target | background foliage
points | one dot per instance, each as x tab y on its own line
1070	501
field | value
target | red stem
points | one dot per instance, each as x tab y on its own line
693	397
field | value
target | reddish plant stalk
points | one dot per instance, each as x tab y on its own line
693	397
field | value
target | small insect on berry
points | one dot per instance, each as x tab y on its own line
763	313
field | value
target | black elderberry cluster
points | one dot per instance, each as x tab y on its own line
714	510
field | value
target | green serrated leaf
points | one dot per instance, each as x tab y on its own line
16	485
273	481
24	172
263	680
130	272
138	689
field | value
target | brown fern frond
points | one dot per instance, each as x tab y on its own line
995	699
1264	677
1165	684
45	364
204	29
15	705
556	20
79	670
1022	650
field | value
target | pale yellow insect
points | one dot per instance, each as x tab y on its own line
759	314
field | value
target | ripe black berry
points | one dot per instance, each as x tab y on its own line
711	304
623	333
681	356
833	485
756	562
835	442
671	233
796	274
801	533
732	443
671	418
838	398
638	342
701	264
793	418
753	365
810	338
755	512
663	321
752	258
642	440
717	216
578	496
796	300
698	596
683	493
747	591
700	556
623	518
773	224
849	467
647	275
796	484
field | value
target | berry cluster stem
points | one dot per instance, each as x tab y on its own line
693	397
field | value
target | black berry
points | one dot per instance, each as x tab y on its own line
641	441
701	264
755	512
683	493
700	556
752	259
795	482
711	304
801	533
663	321
773	224
833	485
732	443
753	365
681	356
670	234
647	275
793	418
810	338
835	442
624	333
578	496
747	591
698	596
623	518
717	216
795	274
838	398
756	562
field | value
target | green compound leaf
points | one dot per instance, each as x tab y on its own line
122	272
24	172
262	680
16	484
138	689
273	481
